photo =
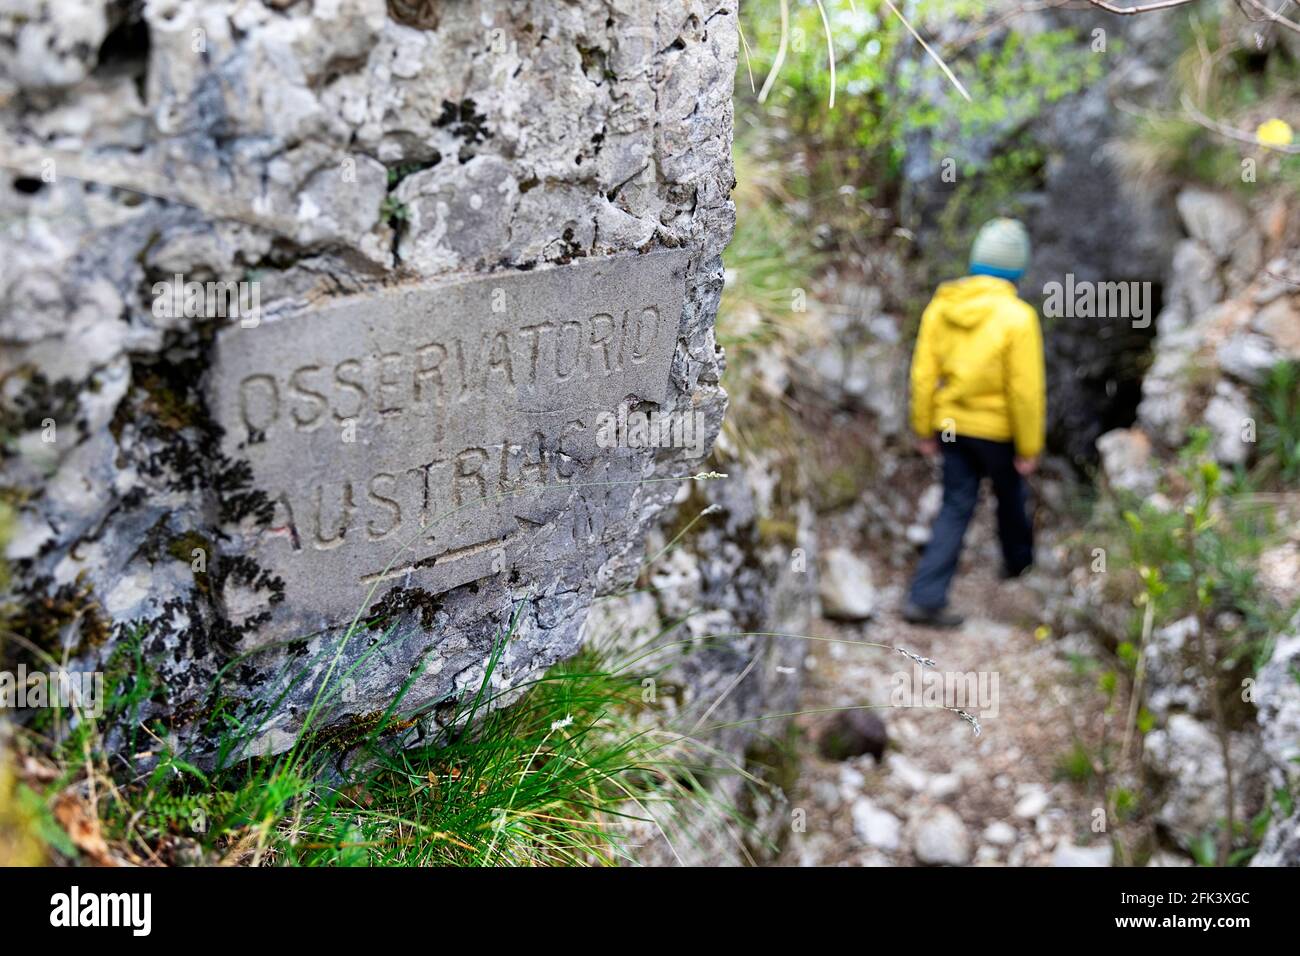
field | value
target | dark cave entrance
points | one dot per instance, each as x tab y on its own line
1095	370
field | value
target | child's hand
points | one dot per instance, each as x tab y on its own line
1026	466
928	447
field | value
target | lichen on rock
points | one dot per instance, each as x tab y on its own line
319	150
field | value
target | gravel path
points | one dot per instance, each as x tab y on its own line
940	794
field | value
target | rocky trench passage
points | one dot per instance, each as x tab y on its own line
938	794
1028	790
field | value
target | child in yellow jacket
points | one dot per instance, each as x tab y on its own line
978	395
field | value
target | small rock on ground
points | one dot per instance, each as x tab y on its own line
845	586
941	838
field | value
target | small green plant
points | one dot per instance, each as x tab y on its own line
393	211
770	265
1075	765
1278	402
1196	563
1232	525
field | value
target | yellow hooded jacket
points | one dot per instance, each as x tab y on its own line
978	365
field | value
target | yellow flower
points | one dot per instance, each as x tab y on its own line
1275	132
1042	632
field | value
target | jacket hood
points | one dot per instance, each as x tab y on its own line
968	301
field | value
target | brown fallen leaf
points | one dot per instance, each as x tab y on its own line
82	827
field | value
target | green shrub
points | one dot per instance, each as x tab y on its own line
887	104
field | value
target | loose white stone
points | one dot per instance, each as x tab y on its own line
940	838
876	827
1000	833
1032	802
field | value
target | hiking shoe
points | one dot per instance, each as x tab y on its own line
931	616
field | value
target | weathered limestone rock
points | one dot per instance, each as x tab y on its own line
1186	753
1227	415
744	591
876	827
1280	321
1278	699
233	489
1227	321
1173	674
1126	460
1248	357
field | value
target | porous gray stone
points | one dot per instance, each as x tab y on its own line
1186	753
1277	695
334	154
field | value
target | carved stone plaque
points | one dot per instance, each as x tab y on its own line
425	435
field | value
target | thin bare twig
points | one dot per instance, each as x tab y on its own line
1135	694
926	47
744	45
830	47
1240	135
1268	13
998	22
1130	724
780	53
1209	665
1140	8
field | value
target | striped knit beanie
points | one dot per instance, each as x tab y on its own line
1001	249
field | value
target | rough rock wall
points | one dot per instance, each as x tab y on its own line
721	601
1279	720
1230	315
1091	221
322	149
1130	224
